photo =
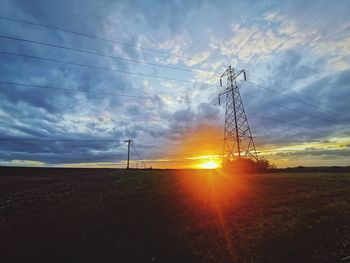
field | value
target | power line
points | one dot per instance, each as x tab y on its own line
139	74
94	53
286	122
115	94
132	96
300	101
55	139
87	35
298	111
112	69
103	68
286	90
173	79
138	155
126	44
176	100
144	97
74	90
140	158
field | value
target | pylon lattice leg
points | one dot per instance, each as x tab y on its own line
238	139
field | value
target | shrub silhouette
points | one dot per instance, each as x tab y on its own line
243	165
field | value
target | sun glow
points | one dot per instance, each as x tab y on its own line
209	165
199	148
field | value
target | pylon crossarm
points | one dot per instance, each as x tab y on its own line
228	72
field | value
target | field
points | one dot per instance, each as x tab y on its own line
106	215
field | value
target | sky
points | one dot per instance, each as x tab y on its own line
167	57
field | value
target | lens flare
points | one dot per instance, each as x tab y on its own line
209	165
211	199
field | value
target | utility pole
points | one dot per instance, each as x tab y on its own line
238	139
129	142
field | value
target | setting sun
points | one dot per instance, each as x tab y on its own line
209	165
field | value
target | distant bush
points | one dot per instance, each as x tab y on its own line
247	165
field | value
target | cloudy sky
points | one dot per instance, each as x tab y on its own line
63	65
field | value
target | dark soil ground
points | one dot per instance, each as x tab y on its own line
106	215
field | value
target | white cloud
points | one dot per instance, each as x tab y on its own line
271	16
177	46
197	58
253	43
167	84
260	42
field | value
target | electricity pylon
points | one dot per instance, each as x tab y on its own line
238	140
129	142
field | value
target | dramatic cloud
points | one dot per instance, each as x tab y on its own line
297	61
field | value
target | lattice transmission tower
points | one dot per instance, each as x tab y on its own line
238	139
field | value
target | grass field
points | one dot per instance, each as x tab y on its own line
105	215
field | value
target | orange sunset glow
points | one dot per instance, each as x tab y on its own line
200	148
208	165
